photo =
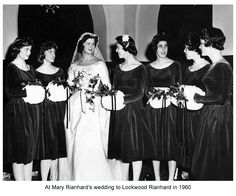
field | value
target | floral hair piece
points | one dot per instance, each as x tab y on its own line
125	40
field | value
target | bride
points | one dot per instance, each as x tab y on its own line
86	123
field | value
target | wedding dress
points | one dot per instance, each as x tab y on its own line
86	131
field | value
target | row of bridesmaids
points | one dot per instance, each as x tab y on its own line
89	141
32	131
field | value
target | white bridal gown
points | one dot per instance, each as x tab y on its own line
87	133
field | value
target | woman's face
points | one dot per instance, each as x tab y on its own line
203	48
50	55
25	52
190	54
120	51
89	46
162	49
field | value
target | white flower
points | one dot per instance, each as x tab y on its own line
125	38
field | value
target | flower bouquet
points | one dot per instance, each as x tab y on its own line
86	82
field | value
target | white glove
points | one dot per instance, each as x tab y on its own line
118	99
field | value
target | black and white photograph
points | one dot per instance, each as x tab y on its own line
102	98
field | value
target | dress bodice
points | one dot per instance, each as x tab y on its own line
15	77
218	84
194	77
94	69
164	77
46	78
131	83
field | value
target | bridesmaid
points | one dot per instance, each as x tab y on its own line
163	73
52	145
192	76
130	139
21	117
213	155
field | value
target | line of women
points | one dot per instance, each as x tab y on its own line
33	119
103	136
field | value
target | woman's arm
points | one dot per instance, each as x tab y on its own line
138	90
13	86
219	91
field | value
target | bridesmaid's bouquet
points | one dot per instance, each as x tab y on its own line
35	92
111	99
177	95
173	94
180	95
56	90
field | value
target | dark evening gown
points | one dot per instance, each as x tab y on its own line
130	138
213	154
52	143
190	118
163	121
21	119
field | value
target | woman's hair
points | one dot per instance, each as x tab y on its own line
19	43
44	47
213	37
80	46
127	43
192	41
157	38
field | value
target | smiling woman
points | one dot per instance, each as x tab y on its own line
51	144
88	122
162	74
22	111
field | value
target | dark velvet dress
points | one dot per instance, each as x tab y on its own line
130	138
190	118
213	154
52	144
163	121
21	119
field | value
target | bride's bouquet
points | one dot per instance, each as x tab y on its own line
86	83
35	93
57	90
